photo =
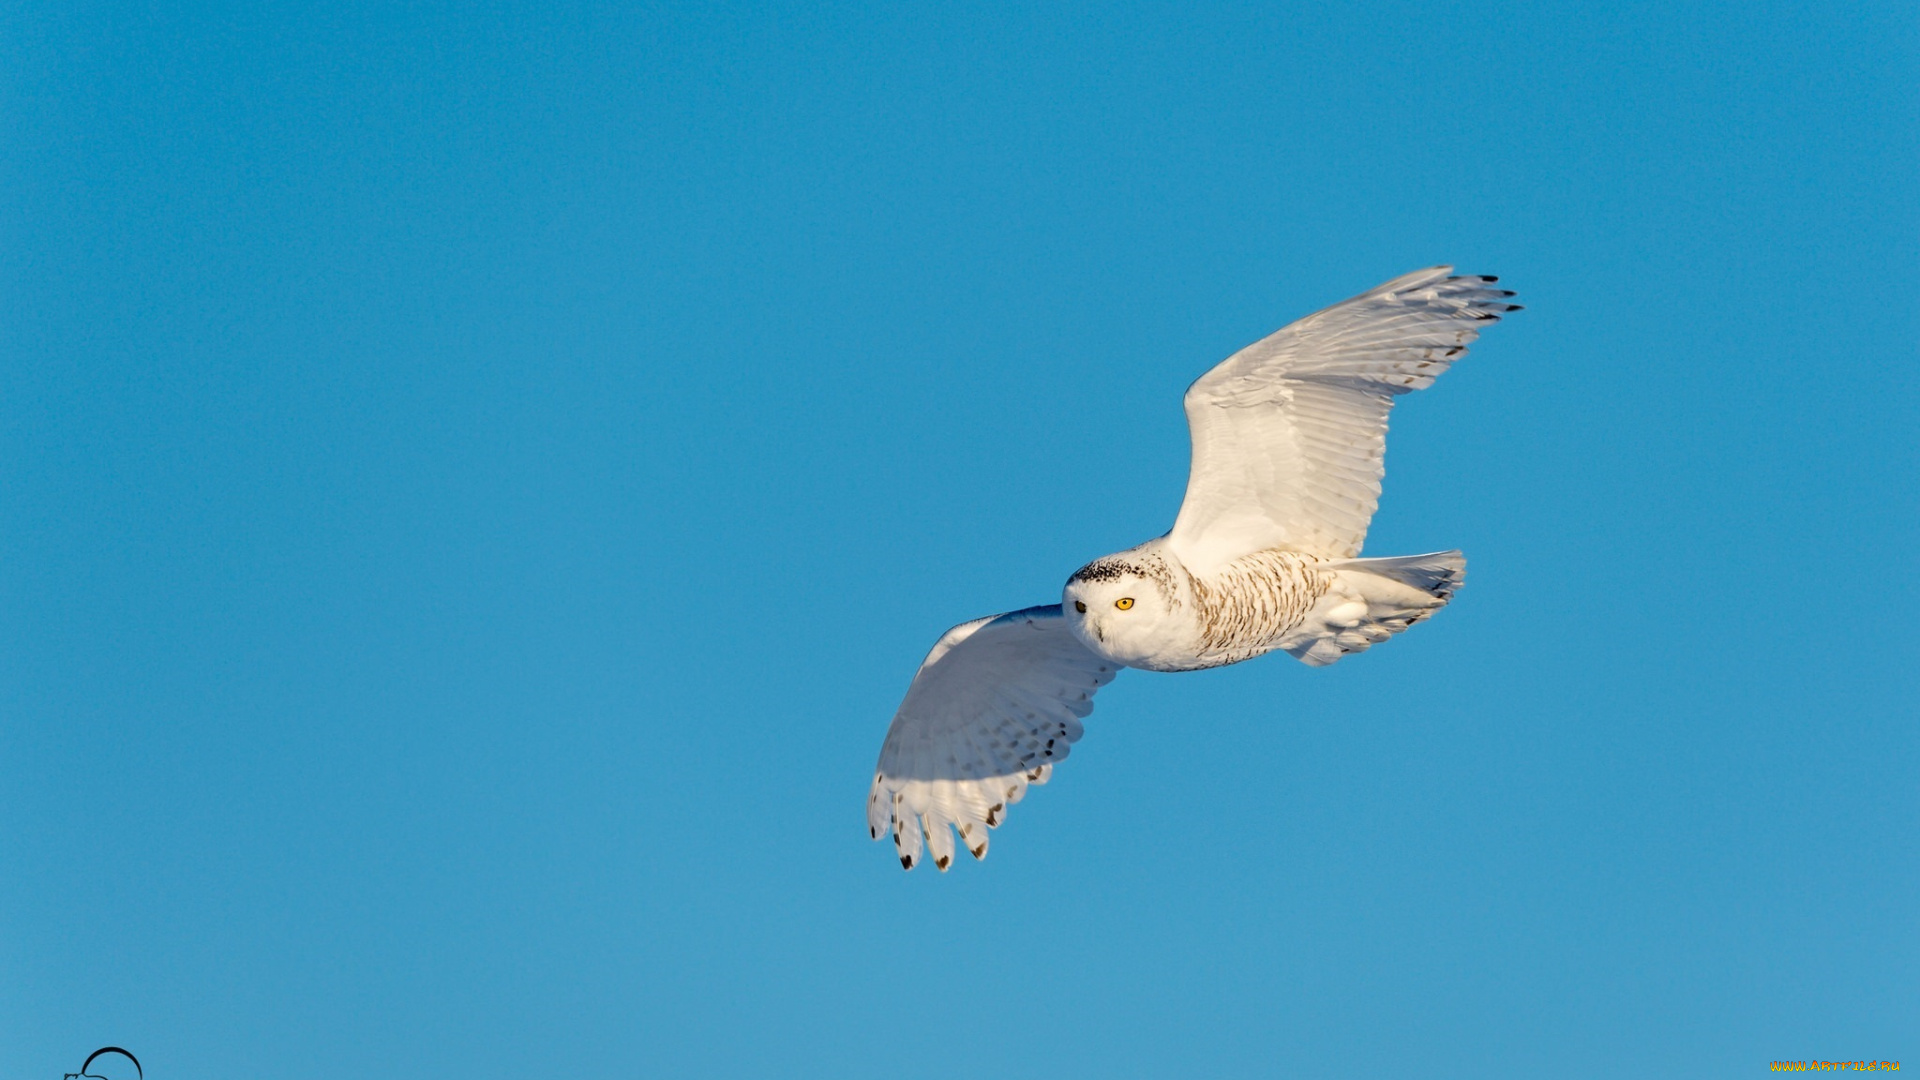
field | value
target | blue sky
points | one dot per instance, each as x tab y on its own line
479	479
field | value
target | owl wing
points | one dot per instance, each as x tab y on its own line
995	704
1289	433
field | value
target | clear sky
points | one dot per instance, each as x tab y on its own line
475	482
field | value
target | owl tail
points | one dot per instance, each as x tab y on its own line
1371	600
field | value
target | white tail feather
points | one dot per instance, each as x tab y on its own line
1373	599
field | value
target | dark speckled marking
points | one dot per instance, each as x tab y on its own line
1253	601
1113	568
1106	569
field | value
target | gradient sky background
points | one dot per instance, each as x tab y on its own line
475	482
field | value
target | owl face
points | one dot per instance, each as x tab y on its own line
1115	611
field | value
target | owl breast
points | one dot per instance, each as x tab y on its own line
1246	607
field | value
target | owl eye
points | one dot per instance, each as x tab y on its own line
1080	606
1123	603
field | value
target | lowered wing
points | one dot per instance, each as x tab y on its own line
995	704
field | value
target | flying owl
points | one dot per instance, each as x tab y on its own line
1289	436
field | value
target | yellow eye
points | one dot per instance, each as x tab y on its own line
1123	603
1080	606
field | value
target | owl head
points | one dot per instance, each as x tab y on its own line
1117	608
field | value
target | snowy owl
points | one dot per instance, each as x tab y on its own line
1289	435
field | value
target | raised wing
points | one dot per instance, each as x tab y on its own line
995	704
1290	433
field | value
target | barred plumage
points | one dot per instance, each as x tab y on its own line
1250	603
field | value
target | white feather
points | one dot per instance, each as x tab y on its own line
996	702
1289	433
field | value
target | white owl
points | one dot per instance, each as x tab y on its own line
1289	434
